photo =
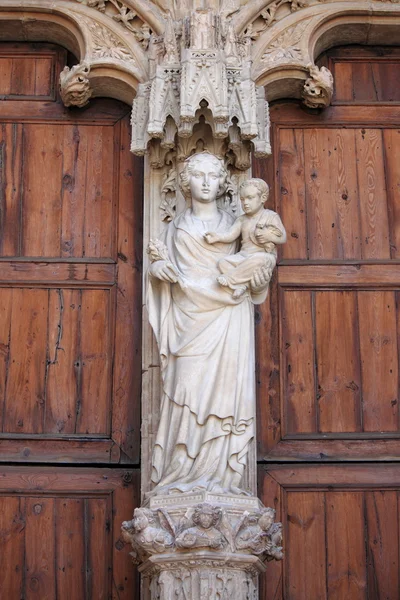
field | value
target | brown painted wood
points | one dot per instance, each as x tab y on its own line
70	272
335	176
60	529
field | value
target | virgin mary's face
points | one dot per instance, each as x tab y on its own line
204	180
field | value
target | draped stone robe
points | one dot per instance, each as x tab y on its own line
206	343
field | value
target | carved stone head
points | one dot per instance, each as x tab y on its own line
206	516
266	519
142	517
194	162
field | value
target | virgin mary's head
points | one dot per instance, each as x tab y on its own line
193	163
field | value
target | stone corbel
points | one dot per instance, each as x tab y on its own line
75	89
318	88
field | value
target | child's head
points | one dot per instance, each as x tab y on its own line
253	194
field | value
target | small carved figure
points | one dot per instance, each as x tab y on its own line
204	534
75	87
146	535
259	534
260	230
318	88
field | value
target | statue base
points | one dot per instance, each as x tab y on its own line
201	575
202	545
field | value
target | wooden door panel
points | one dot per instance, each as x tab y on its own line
60	533
70	273
29	72
370	77
333	195
328	366
341	531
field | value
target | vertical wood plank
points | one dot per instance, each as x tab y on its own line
379	360
99	193
338	366
24	406
127	374
43	76
5	335
305	546
12	540
23	76
364	88
11	161
94	414
383	544
5	75
321	217
62	389
43	159
298	362
125	580
343	186
70	548
346	559
391	142
39	549
271	583
99	553
292	206
343	77
372	191
75	150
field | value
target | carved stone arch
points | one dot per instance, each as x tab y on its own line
116	62
286	50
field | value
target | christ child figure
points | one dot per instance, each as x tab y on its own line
260	229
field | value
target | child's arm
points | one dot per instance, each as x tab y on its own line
272	232
230	236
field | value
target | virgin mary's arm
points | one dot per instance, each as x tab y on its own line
259	285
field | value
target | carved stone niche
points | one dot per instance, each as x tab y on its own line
203	546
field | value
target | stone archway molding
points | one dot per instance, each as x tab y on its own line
111	47
288	36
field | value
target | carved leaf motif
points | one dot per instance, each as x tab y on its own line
106	44
286	47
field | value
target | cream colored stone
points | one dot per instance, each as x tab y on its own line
200	305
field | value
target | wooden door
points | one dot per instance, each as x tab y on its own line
328	342
70	336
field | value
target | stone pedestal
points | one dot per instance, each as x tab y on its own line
203	546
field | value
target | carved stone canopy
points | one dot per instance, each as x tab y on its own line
200	70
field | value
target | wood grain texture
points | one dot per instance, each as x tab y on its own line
60	530
292	204
346	572
298	348
379	360
306	546
337	357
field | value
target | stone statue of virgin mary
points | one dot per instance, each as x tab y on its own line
206	342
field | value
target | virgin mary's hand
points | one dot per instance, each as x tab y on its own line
260	280
164	270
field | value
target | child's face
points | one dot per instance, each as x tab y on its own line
251	199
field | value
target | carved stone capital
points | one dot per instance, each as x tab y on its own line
318	88
75	87
203	544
